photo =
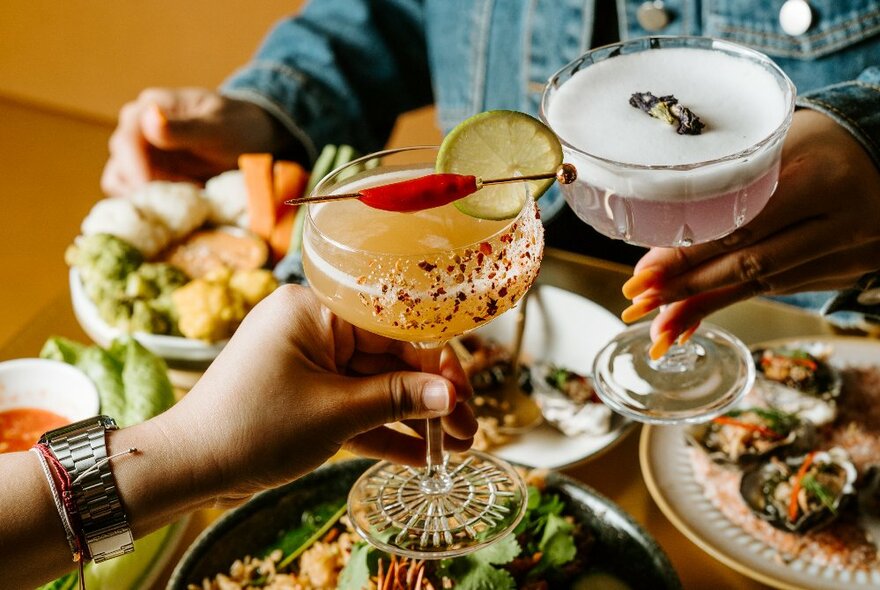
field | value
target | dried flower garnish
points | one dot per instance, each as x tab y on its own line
668	109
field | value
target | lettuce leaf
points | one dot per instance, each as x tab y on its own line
148	391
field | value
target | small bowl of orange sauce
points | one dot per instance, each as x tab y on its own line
38	395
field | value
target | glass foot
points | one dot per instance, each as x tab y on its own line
691	383
400	510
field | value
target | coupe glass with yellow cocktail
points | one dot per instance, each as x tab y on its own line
423	277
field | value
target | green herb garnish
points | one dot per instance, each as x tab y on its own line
558	377
779	422
315	524
812	485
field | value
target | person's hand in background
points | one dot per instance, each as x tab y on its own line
820	230
185	134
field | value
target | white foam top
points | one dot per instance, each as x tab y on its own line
740	102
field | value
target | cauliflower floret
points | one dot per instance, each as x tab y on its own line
226	195
253	285
120	218
178	205
208	310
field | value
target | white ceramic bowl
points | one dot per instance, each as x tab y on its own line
47	385
178	352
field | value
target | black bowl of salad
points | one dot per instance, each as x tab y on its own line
298	536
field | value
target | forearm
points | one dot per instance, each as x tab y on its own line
341	71
33	548
157	485
852	105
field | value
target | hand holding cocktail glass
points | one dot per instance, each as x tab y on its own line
642	181
819	232
423	277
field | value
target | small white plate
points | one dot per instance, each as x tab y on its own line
184	353
668	473
47	385
567	330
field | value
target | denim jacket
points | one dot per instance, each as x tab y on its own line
342	70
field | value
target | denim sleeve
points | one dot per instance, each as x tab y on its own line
340	72
855	105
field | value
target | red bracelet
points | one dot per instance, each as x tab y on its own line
59	484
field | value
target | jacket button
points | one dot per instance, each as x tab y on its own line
652	15
795	17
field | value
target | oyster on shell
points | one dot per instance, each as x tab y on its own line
569	402
819	483
745	436
798	381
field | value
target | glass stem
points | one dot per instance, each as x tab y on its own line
435	479
680	358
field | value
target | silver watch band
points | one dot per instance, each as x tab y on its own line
79	448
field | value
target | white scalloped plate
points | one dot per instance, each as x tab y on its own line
669	476
567	330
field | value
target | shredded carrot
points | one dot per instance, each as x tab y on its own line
763	430
331	535
804	362
796	486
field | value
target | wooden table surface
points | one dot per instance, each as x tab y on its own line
49	171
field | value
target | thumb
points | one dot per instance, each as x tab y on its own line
169	133
401	395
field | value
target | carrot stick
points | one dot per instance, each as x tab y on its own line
290	181
257	169
279	240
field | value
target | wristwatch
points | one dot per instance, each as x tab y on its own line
82	447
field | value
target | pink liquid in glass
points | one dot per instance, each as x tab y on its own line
680	222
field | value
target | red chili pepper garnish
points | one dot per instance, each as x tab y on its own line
762	430
425	192
796	487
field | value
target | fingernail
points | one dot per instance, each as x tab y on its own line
159	114
662	344
639	309
435	396
686	335
640	282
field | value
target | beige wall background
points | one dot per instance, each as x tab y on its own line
88	57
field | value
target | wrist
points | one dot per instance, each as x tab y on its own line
281	135
157	485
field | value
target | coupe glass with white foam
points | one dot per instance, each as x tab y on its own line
641	181
424	278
